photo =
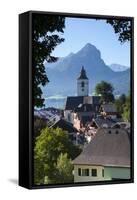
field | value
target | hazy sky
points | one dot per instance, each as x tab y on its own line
79	31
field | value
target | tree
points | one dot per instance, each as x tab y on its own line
63	172
48	147
44	42
120	102
65	169
39	124
105	89
122	28
126	110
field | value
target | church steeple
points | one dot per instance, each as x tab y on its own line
82	74
82	83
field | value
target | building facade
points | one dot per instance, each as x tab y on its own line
85	173
106	157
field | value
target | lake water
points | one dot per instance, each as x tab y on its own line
55	102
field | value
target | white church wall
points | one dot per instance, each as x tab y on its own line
68	115
82	91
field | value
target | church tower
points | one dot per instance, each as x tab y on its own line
82	83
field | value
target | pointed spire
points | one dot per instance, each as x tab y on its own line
82	74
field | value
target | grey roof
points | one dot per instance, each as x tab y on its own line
82	74
122	124
92	99
85	119
65	125
73	102
84	108
101	121
109	107
107	149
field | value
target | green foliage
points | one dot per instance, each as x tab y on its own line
126	109
120	103
105	89
63	172
45	39
123	106
39	124
47	154
65	169
122	28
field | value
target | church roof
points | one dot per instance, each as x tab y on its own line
82	74
110	147
84	108
73	102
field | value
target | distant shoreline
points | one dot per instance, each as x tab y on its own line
55	101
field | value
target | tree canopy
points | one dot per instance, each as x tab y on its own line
127	109
120	103
45	39
123	106
105	89
47	155
63	172
122	28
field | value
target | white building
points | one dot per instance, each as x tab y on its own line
106	157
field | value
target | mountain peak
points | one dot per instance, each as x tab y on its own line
90	49
88	45
118	67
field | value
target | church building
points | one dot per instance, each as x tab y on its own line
81	107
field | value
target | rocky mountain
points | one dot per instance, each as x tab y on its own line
63	74
118	68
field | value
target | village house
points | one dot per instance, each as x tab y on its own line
109	110
83	114
106	157
107	122
67	126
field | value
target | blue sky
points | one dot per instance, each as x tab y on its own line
79	32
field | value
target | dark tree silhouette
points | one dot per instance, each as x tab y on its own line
45	39
105	89
122	28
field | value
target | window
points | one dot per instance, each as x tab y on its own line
109	132
82	84
116	132
85	172
102	172
94	172
79	171
69	117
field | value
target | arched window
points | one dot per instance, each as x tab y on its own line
82	84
